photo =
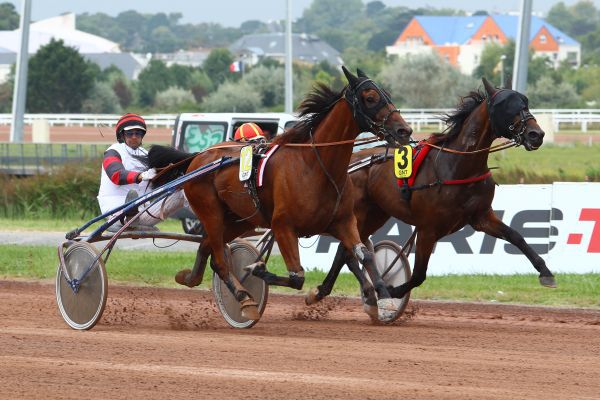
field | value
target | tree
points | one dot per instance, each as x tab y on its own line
123	92
548	94
233	97
269	82
102	100
327	14
175	99
217	65
425	81
153	79
9	18
59	79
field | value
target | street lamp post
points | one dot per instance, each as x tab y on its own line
502	58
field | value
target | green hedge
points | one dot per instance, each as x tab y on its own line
69	191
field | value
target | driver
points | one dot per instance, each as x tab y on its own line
248	132
125	175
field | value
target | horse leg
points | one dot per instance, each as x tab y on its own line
493	226
347	232
424	247
288	246
343	257
193	277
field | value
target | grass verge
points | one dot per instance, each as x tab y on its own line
159	268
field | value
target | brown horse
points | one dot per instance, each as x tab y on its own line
453	186
302	192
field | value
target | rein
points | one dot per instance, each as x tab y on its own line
492	149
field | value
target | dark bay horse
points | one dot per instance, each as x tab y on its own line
439	209
303	189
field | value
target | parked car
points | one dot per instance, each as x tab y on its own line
196	131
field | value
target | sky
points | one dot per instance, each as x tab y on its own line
232	13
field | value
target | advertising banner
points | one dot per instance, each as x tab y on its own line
560	221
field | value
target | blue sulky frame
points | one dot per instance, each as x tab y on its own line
152	198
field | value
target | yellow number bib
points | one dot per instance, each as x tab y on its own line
403	162
245	163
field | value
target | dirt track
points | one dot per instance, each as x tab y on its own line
168	343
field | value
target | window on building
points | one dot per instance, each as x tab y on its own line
543	39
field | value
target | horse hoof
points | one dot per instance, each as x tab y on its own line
312	297
182	275
388	309
548	281
250	312
371	311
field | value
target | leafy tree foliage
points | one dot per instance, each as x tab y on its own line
59	79
425	81
9	18
217	65
175	99
102	100
233	97
153	79
546	93
270	82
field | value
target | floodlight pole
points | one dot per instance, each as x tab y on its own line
519	82
20	89
289	82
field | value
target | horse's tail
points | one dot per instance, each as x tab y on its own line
174	162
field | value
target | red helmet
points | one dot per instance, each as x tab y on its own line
248	131
128	122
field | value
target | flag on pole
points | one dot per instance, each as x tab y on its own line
235	66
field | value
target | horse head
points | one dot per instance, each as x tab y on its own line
373	109
510	117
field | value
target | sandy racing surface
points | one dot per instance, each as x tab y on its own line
170	343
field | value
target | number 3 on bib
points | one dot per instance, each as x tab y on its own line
403	162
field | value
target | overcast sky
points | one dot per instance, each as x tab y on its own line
234	12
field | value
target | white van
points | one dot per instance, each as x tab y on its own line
195	132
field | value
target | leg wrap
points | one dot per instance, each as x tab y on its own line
297	280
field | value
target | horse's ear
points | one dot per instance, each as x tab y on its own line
488	87
352	80
360	73
508	84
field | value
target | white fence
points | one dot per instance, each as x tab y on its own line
418	118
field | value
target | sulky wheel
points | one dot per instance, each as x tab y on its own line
394	268
81	304
242	254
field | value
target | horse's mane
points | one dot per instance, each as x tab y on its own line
456	119
312	111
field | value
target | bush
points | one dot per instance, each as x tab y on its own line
174	99
69	191
233	97
102	100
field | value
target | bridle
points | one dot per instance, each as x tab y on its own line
518	137
365	118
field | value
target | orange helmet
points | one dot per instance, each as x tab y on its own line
247	131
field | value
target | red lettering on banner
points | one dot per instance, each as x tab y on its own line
574	238
592	214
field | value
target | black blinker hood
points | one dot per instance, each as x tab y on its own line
503	106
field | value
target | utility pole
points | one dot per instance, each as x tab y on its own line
20	89
289	82
519	82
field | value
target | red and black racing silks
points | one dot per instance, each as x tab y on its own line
113	165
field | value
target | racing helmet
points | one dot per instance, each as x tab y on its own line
128	122
248	131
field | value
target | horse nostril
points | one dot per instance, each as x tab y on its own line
535	135
405	131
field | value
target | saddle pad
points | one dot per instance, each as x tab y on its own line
263	163
419	154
